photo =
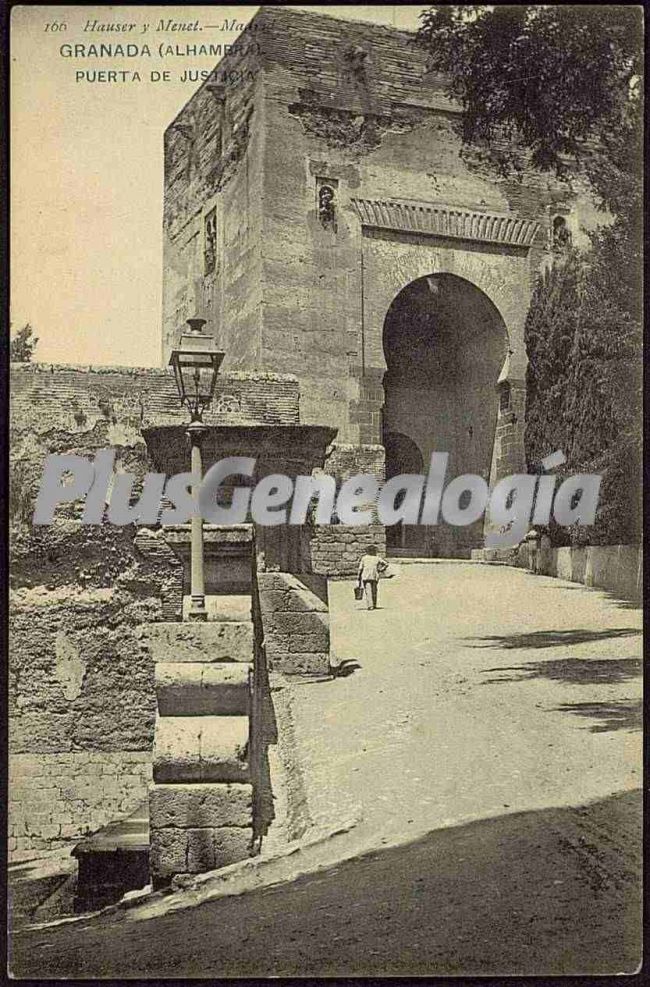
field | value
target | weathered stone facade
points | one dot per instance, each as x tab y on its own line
82	698
334	178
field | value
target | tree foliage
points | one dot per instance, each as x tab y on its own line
550	332
561	82
557	88
584	389
22	346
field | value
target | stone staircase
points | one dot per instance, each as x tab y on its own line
201	800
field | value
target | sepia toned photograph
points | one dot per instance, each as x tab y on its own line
318	312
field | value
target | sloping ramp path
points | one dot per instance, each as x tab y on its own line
489	742
481	690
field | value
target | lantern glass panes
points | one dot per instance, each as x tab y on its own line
196	363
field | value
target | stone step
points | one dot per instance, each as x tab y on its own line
222	607
199	689
176	852
229	641
196	806
201	748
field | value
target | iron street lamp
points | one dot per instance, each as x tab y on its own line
196	364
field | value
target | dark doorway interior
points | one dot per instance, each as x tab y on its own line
402	456
445	344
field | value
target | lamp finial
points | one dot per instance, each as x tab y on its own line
196	324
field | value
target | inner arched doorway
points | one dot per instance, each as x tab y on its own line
445	344
402	456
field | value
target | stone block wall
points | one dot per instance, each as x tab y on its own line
509	455
55	798
615	568
345	460
335	550
81	703
197	828
294	624
201	802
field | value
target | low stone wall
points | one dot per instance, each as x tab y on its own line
616	568
111	405
335	550
295	625
57	798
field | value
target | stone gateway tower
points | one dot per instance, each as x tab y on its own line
319	213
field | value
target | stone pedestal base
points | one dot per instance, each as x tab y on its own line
197	827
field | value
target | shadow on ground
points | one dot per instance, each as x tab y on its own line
554	639
347	667
627	714
572	671
539	892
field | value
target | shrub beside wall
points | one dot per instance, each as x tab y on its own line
583	339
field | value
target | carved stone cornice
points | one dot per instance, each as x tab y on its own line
446	221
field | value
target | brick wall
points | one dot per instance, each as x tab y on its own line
365	409
100	406
335	550
57	798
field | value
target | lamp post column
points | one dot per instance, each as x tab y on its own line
196	431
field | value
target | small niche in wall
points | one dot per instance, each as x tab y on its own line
505	397
560	232
210	241
506	409
326	204
218	93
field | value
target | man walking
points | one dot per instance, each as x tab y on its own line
370	568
